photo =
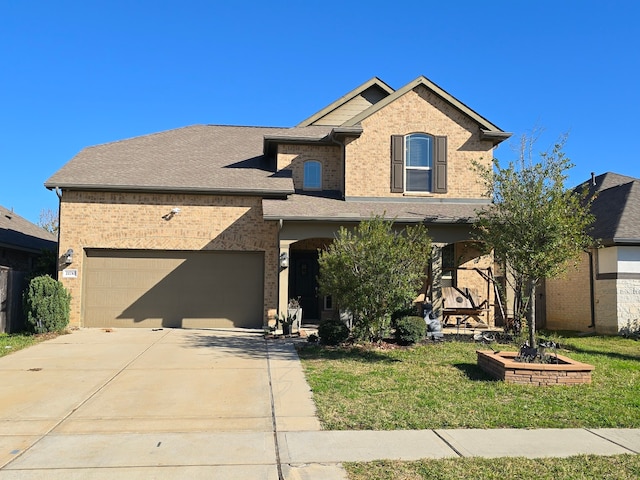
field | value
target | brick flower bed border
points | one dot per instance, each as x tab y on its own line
501	366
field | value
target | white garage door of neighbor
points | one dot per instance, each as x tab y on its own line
130	288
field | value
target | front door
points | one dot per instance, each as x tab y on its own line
303	282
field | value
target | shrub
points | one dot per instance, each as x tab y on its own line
410	330
333	331
46	305
374	270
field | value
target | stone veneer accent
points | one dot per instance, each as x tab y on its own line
628	305
368	170
502	367
135	221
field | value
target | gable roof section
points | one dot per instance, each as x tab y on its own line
616	209
20	234
232	160
350	104
489	131
198	159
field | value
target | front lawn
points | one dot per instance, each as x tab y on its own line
440	386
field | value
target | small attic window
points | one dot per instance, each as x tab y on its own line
312	175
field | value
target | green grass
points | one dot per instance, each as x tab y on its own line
619	467
440	386
12	342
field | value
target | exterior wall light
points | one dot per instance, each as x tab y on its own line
284	260
68	257
169	216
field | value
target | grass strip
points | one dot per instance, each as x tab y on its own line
619	467
12	342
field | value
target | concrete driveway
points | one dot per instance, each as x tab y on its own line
161	403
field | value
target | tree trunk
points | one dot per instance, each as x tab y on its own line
531	312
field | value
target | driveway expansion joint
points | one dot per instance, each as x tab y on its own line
273	415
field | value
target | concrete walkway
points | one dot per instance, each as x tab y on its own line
165	404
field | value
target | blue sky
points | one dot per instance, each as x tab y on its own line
80	73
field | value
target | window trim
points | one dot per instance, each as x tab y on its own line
439	165
430	162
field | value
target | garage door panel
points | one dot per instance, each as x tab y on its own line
174	289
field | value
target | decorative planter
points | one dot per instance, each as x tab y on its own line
297	312
502	366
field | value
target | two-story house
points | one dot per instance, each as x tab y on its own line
218	226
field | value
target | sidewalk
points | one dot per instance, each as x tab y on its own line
176	404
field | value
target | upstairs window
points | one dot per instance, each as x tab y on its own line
312	179
418	163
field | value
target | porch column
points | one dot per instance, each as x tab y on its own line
283	278
436	280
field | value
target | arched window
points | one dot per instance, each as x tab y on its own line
312	179
418	160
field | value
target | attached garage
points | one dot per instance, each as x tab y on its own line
173	289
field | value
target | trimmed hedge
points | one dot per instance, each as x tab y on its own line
46	305
333	331
410	330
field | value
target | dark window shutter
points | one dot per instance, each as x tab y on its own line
397	164
440	165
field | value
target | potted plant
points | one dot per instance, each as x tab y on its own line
287	321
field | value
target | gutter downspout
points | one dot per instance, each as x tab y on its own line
591	272
59	194
592	291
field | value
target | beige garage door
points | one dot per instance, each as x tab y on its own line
125	288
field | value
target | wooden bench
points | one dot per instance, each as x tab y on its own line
464	304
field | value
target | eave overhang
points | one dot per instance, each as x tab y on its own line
336	134
494	136
272	193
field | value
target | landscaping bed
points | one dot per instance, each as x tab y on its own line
560	371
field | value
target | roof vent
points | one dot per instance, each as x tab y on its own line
593	179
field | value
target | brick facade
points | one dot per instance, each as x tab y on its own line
368	171
569	301
502	366
568	304
293	156
135	221
359	168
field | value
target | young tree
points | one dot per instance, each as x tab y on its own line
374	271
535	226
48	220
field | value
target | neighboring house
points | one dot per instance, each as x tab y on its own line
21	245
603	293
218	226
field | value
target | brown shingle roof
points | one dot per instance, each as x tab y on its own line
19	233
616	208
328	208
205	158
